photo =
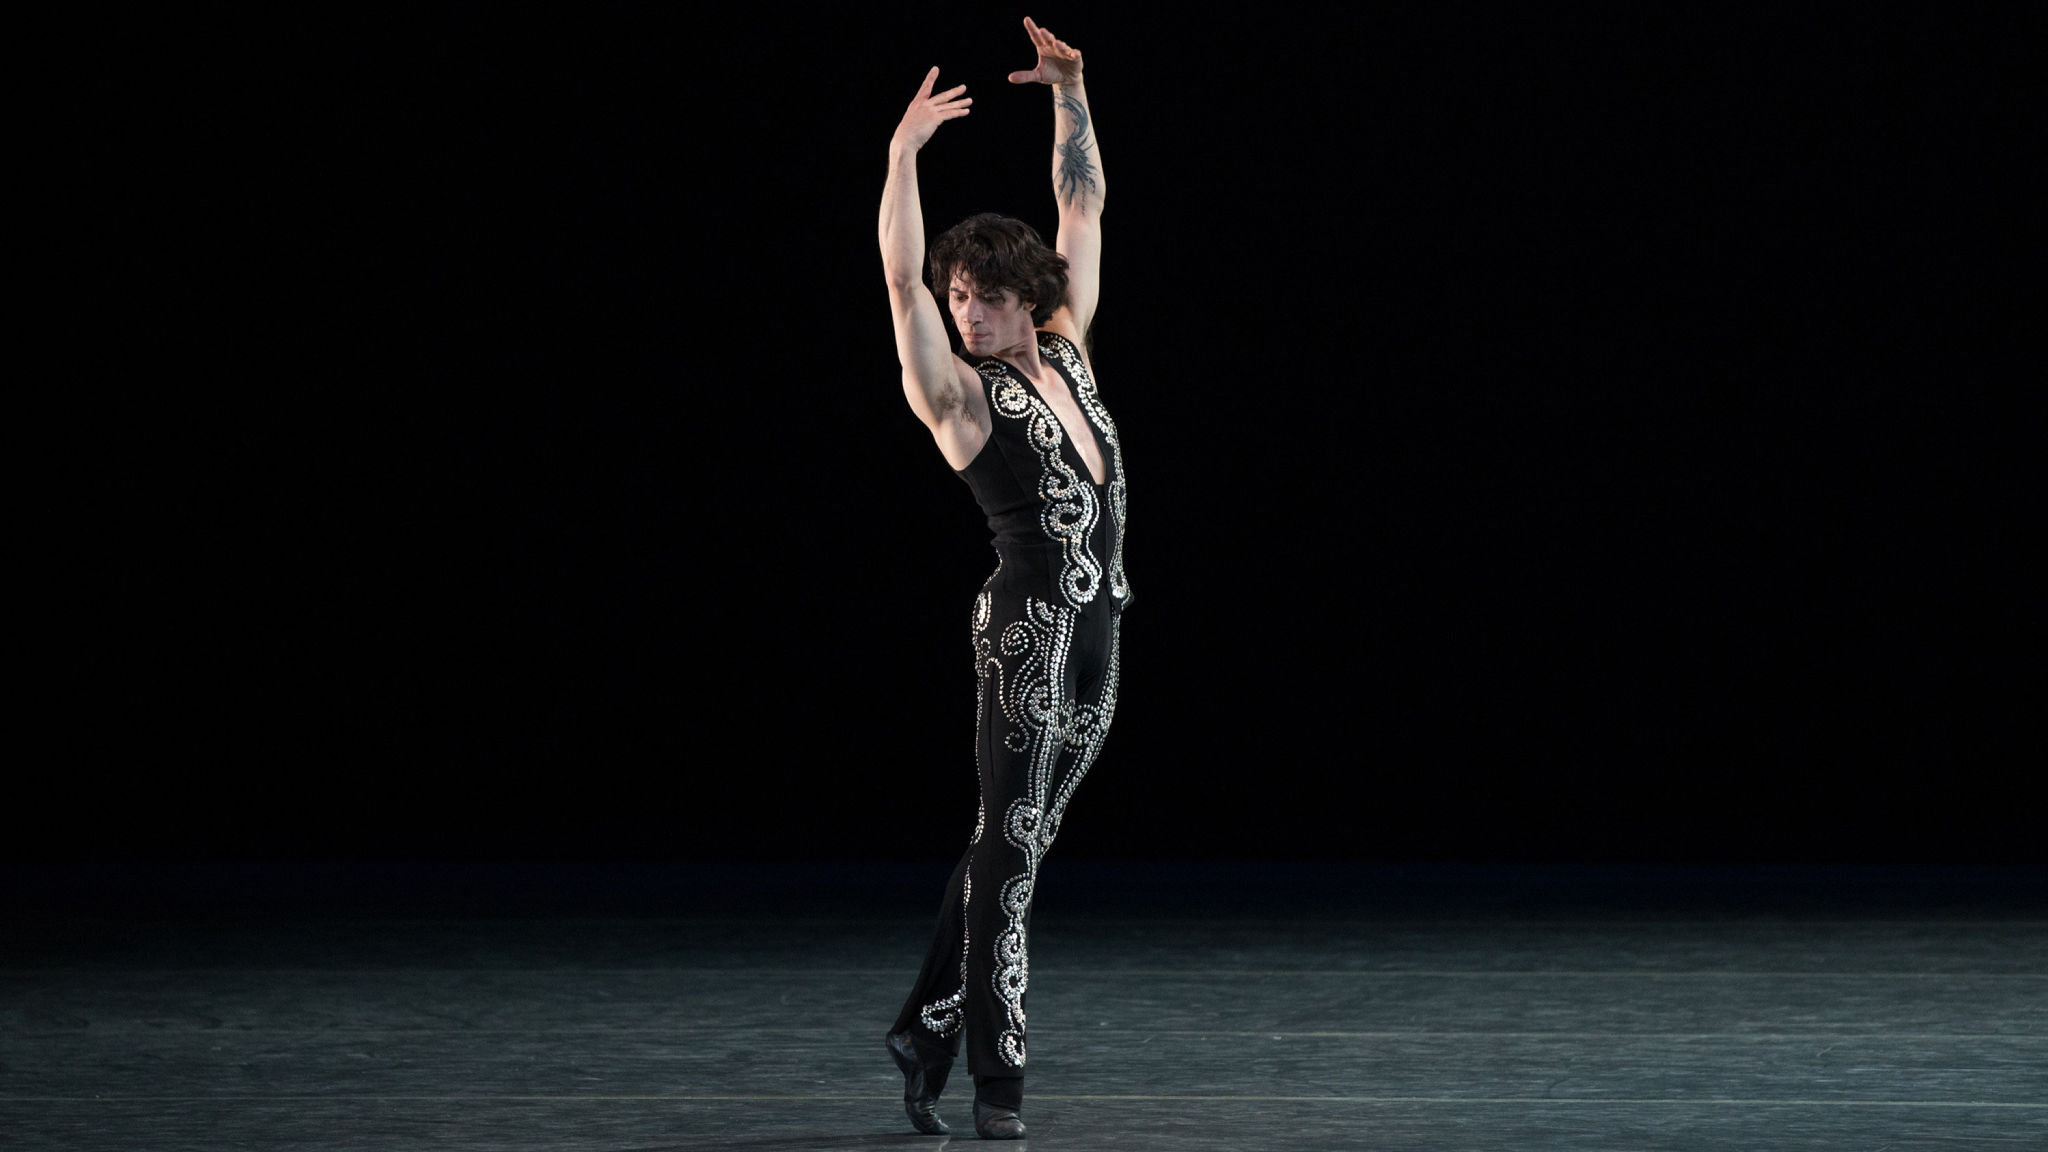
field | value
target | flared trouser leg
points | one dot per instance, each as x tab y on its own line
1046	679
933	1014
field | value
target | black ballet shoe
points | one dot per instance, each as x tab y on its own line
993	1123
924	1077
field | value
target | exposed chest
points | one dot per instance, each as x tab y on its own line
1080	434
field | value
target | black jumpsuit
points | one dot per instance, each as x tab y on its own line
1045	664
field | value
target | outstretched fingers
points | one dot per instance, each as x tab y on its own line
1058	61
928	111
924	90
1047	43
950	104
947	104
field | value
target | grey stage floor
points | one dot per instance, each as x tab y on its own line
1194	1007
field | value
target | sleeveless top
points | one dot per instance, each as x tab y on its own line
1059	536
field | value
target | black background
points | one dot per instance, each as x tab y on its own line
1551	438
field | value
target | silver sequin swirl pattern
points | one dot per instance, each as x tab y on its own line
1069	511
1069	357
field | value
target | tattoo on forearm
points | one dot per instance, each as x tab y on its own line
1077	167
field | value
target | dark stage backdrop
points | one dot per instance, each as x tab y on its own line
1550	438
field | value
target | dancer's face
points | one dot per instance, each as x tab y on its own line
989	320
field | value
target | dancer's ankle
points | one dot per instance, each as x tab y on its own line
1000	1091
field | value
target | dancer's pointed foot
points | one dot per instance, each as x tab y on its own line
924	1077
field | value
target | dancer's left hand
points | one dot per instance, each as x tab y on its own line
1058	62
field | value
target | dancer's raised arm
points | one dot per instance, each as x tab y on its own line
1076	176
934	380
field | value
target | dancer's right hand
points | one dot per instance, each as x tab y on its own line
927	112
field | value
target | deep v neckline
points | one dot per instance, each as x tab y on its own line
1066	433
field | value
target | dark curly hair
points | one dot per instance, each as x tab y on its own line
1000	252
